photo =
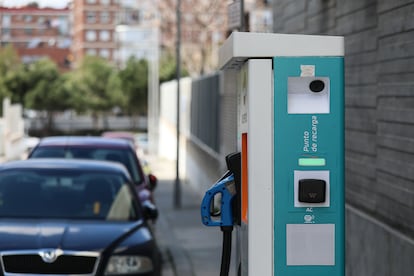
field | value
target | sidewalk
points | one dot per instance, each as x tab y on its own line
189	248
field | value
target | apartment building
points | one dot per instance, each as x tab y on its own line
137	31
93	28
36	33
259	16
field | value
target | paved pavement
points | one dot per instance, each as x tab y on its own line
189	248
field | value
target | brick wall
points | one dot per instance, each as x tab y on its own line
379	77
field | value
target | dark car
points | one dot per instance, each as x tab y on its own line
98	148
73	217
129	136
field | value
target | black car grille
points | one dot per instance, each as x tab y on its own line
64	264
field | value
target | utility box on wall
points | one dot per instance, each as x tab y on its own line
291	138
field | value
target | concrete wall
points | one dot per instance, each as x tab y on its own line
12	145
379	69
167	144
70	121
199	164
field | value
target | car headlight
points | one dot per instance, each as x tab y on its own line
128	265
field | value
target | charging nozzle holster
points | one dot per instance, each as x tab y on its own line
233	162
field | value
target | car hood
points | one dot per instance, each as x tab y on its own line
66	235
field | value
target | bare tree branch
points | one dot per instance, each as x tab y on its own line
203	27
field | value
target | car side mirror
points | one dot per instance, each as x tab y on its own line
150	210
152	182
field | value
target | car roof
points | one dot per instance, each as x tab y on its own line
129	136
66	164
92	141
118	134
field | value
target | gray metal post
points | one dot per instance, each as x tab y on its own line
177	186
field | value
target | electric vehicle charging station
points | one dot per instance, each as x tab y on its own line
291	139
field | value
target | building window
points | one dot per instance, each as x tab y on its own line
90	17
91	52
105	53
105	17
6	21
28	18
28	31
105	2
40	20
188	18
63	25
104	35
91	1
90	36
134	16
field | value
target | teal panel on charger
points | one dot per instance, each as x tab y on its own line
309	143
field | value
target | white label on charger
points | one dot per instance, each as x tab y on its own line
307	70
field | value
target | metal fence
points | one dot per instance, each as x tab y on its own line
205	109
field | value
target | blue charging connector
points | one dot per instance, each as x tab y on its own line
226	187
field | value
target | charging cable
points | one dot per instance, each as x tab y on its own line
226	250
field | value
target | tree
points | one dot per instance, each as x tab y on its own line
33	4
98	86
46	91
168	68
9	60
134	84
203	28
17	83
9	65
71	84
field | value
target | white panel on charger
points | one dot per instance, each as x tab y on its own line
310	244
301	100
241	46
260	164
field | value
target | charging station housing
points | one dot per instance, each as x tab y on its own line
291	137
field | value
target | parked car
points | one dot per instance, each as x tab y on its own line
141	147
141	139
99	148
120	135
73	217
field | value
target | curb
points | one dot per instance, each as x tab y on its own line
180	261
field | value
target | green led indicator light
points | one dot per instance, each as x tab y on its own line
312	162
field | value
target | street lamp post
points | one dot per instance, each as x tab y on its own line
242	23
177	186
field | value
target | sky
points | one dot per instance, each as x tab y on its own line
42	3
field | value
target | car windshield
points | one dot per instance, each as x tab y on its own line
63	194
123	156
